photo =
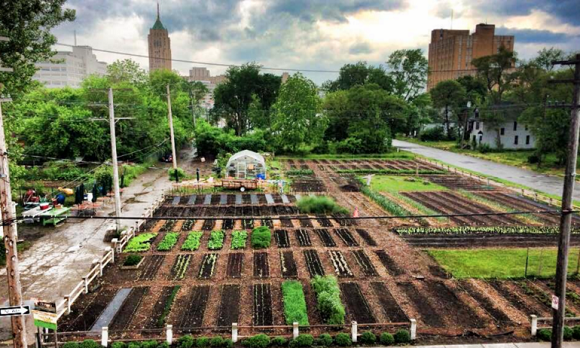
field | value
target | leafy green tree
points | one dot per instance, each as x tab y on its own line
126	70
449	96
408	69
27	23
359	74
296	122
547	55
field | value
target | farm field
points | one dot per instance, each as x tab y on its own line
202	275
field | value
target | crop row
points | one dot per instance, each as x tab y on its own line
239	239
389	171
216	240
140	243
384	202
168	241
481	229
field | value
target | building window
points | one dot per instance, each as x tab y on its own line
502	131
516	140
476	125
515	126
527	140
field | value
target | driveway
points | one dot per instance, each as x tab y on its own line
540	182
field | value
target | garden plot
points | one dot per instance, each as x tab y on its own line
303	238
313	263
235	263
180	267
339	263
282	239
391	309
194	310
357	306
162	307
288	265
364	234
208	265
151	266
389	263
325	237
229	311
346	237
364	263
459	182
130	306
500	317
262	308
261	265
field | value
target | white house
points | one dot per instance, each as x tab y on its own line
513	135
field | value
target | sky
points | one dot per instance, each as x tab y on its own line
310	34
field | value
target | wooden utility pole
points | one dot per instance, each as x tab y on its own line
566	217
192	109
114	158
10	240
171	128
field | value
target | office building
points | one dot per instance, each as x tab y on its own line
159	46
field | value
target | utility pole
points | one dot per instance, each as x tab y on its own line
171	128
566	217
114	158
192	108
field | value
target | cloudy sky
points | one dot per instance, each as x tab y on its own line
310	34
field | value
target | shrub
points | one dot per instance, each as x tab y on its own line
116	345
132	260
576	332
133	345
89	344
185	341
180	173
303	340
193	241
258	341
568	333
328	299
294	303
402	337
368	338
163	345
168	241
533	159
149	344
433	134
343	340
544	334
325	340
319	205
216	240
261	237
228	343
484	148
387	339
202	342
216	342
279	341
71	345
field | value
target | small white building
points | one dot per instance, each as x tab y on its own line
246	165
69	68
513	135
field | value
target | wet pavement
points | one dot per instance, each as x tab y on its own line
545	183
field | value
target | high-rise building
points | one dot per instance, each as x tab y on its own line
159	46
451	51
211	82
69	68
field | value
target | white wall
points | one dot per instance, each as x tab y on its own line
488	136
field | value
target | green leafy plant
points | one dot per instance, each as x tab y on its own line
202	342
71	345
261	237
544	334
132	260
328	299
149	344
228	343
387	339
343	340
568	333
279	341
185	341
140	243
193	241
216	342
89	344
576	332
113	345
168	241
303	340
325	340
319	205
402	337
383	201
258	341
216	240
299	172
239	239
168	305
294	303
368	337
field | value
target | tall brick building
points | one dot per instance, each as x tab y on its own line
159	46
451	51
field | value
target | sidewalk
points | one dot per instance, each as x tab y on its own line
506	345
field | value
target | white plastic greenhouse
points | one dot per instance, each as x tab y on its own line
246	165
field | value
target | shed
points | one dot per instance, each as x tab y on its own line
246	165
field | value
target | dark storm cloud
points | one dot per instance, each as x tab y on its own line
568	11
535	36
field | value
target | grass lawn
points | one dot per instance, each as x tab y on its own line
397	183
501	263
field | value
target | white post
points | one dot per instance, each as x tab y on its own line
353	332
112	254
295	330
234	332
86	280
67	300
413	329
169	334
101	268
534	329
104	336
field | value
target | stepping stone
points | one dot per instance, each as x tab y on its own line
238	199
112	308
254	198
207	200
176	200
285	199
223	199
269	198
191	200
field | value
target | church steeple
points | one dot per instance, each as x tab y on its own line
158	24
157	10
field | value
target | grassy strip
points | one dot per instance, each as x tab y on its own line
168	241
299	172
482	229
390	171
168	304
294	303
328	299
398	183
239	239
216	240
398	155
501	262
420	207
193	241
140	243
381	200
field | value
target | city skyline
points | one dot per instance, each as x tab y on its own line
309	35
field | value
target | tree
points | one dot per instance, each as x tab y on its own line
233	98
27	23
126	70
547	56
359	74
408	69
296	122
450	96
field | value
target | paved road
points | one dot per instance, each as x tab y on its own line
505	345
548	184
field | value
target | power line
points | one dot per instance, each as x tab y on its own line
203	63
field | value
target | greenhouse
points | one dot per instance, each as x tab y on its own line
246	165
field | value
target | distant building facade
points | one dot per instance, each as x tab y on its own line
452	51
203	75
159	46
69	68
513	135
